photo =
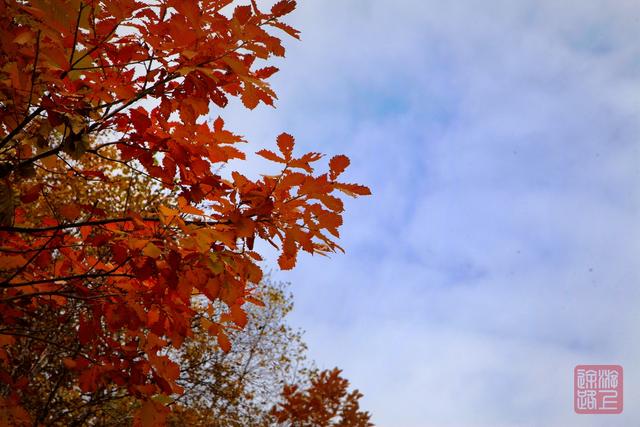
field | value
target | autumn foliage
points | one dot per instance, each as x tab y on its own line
116	226
326	402
245	386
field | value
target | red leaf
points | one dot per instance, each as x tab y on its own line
31	194
223	341
287	259
88	380
140	119
119	252
242	14
337	165
238	316
286	262
285	144
84	331
266	72
283	7
70	211
250	96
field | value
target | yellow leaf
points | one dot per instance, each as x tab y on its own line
185	70
204	238
152	250
235	65
24	37
77	123
163	399
215	265
136	243
167	214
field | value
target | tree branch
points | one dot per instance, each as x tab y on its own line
21	126
97	222
7	285
56	293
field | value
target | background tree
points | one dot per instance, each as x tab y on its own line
239	387
233	388
45	341
326	402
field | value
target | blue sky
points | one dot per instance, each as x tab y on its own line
501	140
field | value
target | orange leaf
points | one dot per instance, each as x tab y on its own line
70	211
150	414
287	260
337	165
255	301
353	189
286	28
245	227
283	7
250	96
333	203
238	316
270	155
285	144
185	207
24	37
223	341
6	340
9	262
69	363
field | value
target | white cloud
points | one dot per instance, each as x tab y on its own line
502	142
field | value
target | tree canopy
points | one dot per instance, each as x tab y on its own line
119	238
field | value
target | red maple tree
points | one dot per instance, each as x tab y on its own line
93	90
326	402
